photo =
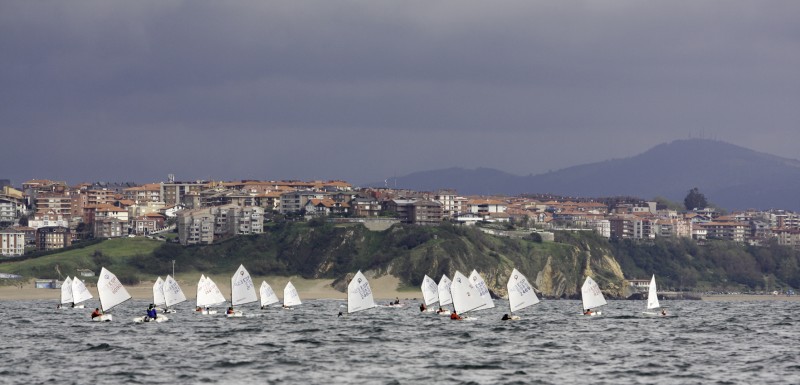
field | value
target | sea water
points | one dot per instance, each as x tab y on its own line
700	343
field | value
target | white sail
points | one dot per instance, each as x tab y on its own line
290	296
242	288
359	294
483	290
268	296
110	290
79	291
444	291
520	292
200	289
466	296
591	294
66	290
173	294
430	291
652	297
210	294
158	292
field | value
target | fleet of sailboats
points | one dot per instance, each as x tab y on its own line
466	294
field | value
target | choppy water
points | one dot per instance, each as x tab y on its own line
705	343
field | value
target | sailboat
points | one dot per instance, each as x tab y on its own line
158	293
208	294
173	294
268	296
592	297
652	299
290	296
66	292
444	294
520	293
79	293
111	293
466	295
242	291
359	294
483	290
430	292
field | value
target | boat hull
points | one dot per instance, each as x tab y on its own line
158	319
103	318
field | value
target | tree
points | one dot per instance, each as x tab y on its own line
695	199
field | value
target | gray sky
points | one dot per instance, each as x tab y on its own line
135	90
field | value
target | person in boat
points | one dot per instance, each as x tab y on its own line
422	307
505	317
663	312
58	306
396	301
440	311
96	313
151	313
454	316
587	312
340	314
230	310
199	309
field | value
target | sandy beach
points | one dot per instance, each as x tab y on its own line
383	288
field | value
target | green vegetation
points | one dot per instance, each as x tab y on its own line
717	265
114	254
317	249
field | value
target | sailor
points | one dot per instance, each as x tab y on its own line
663	312
96	313
422	307
230	310
151	313
340	314
588	312
454	316
396	301
505	317
441	310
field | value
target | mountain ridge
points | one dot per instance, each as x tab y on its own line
730	176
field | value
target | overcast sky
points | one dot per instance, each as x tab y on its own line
364	90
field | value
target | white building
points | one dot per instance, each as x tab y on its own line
12	243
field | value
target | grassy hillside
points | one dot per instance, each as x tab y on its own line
114	254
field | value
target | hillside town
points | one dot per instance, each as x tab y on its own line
43	215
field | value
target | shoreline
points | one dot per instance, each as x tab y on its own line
383	288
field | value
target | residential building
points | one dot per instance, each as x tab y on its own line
145	193
53	237
206	224
195	227
729	230
425	212
365	207
173	192
788	237
109	227
323	207
147	223
295	201
12	243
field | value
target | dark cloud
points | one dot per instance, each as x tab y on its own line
95	90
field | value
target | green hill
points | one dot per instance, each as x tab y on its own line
317	249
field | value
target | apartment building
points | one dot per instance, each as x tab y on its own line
730	231
109	227
147	223
788	237
204	225
195	226
295	201
173	192
145	193
52	238
12	243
